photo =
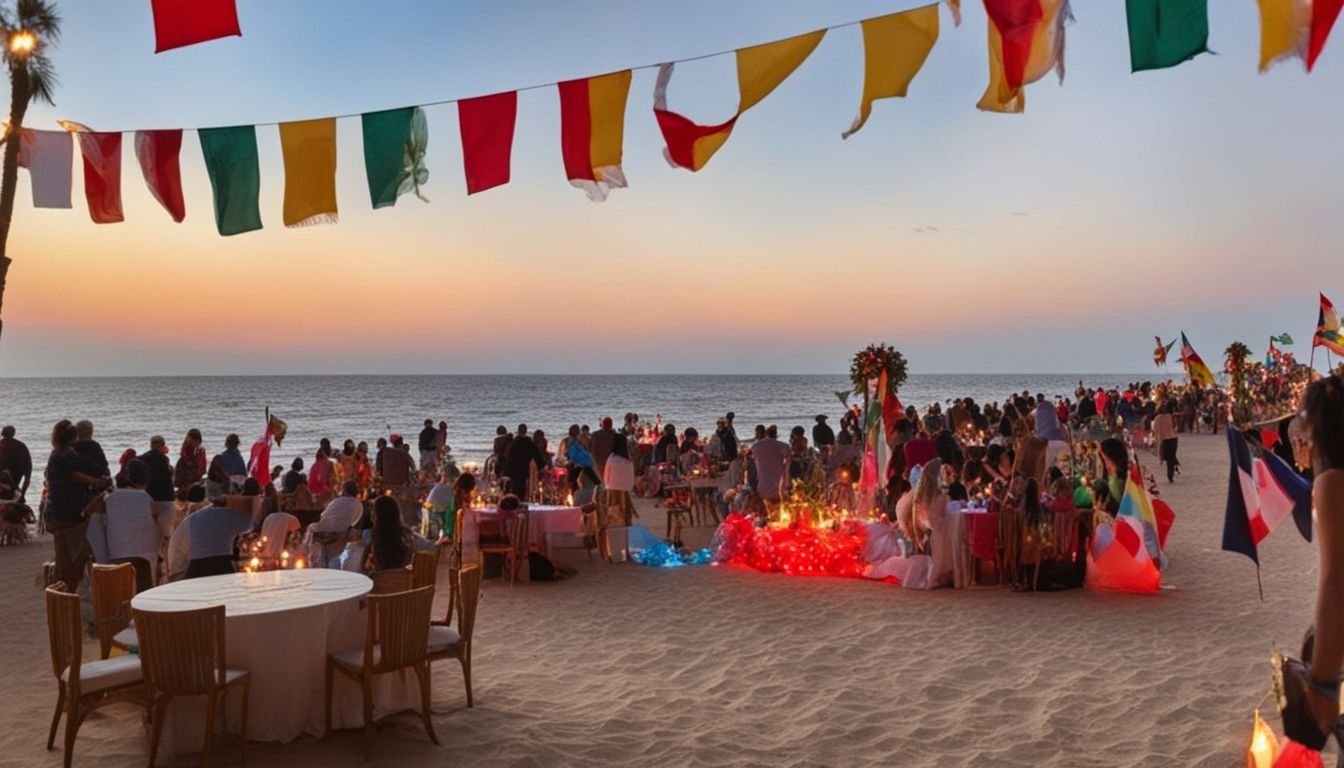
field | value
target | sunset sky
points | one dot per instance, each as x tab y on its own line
1119	207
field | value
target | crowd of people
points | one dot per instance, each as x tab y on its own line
201	514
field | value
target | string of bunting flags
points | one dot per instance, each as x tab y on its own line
1026	41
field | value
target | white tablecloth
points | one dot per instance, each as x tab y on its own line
542	522
281	625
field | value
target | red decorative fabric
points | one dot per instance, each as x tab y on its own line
487	123
179	23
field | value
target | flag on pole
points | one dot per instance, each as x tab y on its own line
235	177
1328	333
259	462
102	175
894	49
760	69
1026	40
486	124
1262	491
592	132
1295	29
158	153
1283	339
1161	351
1195	368
1164	33
179	23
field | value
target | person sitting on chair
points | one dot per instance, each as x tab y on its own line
212	532
391	544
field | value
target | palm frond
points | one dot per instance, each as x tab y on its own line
42	79
39	17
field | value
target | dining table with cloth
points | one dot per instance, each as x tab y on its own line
975	533
280	626
543	522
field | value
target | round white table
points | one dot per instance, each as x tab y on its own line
280	626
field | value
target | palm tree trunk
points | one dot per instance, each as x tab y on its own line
18	107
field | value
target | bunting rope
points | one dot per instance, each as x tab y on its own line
1026	40
522	89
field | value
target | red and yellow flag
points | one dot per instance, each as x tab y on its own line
1295	28
1026	40
894	49
592	132
760	69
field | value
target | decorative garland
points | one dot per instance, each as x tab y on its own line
872	362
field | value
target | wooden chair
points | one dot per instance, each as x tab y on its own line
83	687
390	581
446	643
454	553
112	587
396	638
516	546
680	512
183	654
424	568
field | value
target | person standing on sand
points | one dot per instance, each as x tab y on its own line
771	458
71	479
728	437
1164	432
429	438
600	445
1323	450
521	455
15	458
88	447
160	485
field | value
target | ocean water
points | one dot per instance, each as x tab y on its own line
127	411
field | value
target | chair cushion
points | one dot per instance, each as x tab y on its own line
355	659
101	675
442	639
126	638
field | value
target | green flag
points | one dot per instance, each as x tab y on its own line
394	154
235	176
1164	33
1282	338
843	397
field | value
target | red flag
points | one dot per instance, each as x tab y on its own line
179	23
1323	15
486	123
158	153
102	175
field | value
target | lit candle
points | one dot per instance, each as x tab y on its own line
298	564
254	564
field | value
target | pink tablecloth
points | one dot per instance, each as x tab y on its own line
542	522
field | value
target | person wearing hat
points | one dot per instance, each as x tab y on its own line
822	434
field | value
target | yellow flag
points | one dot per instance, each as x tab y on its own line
1283	30
761	68
309	150
895	47
606	103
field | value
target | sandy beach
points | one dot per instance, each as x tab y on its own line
627	665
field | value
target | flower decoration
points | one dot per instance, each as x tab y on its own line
870	363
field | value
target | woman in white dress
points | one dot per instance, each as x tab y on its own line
930	515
